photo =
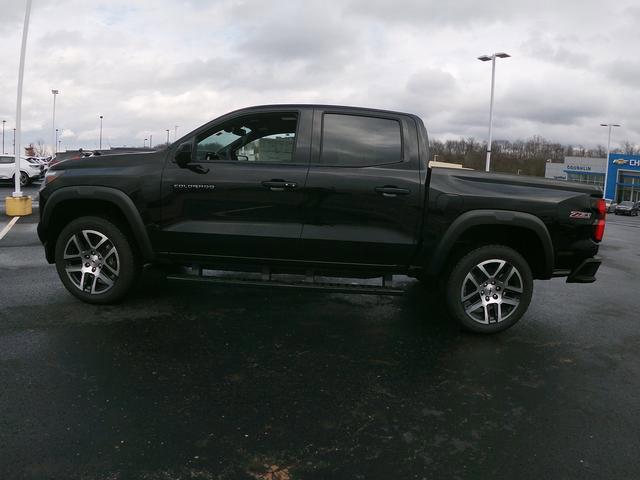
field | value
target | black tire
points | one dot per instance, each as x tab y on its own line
501	294
98	257
24	179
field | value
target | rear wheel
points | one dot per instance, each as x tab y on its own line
489	289
95	260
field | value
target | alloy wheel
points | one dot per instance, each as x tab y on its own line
491	291
92	262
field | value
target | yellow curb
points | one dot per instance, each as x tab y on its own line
18	206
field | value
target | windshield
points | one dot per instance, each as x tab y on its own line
627	204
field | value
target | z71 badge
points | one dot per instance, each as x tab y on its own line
580	215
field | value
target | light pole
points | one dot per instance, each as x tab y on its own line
167	136
53	127
19	204
3	122
606	171
56	145
100	132
486	58
150	141
14	141
175	133
145	143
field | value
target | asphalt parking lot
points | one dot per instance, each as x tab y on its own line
203	382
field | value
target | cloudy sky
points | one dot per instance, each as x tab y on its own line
147	66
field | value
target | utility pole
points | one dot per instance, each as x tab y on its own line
100	132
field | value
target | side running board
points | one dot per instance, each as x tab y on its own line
309	282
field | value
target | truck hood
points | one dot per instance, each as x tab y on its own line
111	160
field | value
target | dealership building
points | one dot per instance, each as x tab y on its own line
619	177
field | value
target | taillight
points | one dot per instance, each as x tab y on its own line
598	227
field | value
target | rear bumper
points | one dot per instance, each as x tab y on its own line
585	272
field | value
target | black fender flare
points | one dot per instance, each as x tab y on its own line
492	217
112	195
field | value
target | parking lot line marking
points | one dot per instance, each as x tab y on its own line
9	226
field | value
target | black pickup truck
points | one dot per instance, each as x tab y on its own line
291	194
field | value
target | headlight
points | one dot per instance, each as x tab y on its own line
34	166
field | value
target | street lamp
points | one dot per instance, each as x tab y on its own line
606	171
145	143
167	136
492	58
19	204
53	127
14	141
3	122
56	145
100	132
175	133
150	141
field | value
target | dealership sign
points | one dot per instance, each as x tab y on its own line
619	162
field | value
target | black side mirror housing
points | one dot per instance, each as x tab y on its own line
183	154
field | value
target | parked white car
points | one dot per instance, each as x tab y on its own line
28	171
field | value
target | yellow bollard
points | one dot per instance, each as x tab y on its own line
18	206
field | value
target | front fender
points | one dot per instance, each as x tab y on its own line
112	195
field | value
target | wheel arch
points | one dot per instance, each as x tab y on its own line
521	231
69	203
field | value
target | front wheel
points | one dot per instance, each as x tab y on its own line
95	260
489	289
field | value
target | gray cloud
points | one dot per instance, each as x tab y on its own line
149	65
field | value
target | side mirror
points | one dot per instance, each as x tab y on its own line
183	154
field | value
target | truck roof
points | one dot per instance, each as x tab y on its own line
322	106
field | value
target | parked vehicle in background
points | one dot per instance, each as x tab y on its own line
313	192
611	206
627	208
29	170
38	161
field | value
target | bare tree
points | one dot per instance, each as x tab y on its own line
40	149
629	148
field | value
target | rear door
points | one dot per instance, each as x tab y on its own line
364	188
242	196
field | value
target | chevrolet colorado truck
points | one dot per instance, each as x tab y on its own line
287	195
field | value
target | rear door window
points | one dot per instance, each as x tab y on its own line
359	141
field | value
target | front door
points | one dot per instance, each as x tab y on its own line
242	194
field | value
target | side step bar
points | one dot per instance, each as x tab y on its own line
309	284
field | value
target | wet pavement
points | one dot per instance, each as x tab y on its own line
202	382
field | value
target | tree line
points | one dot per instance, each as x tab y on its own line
524	157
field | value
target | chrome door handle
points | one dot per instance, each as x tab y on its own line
389	191
279	185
